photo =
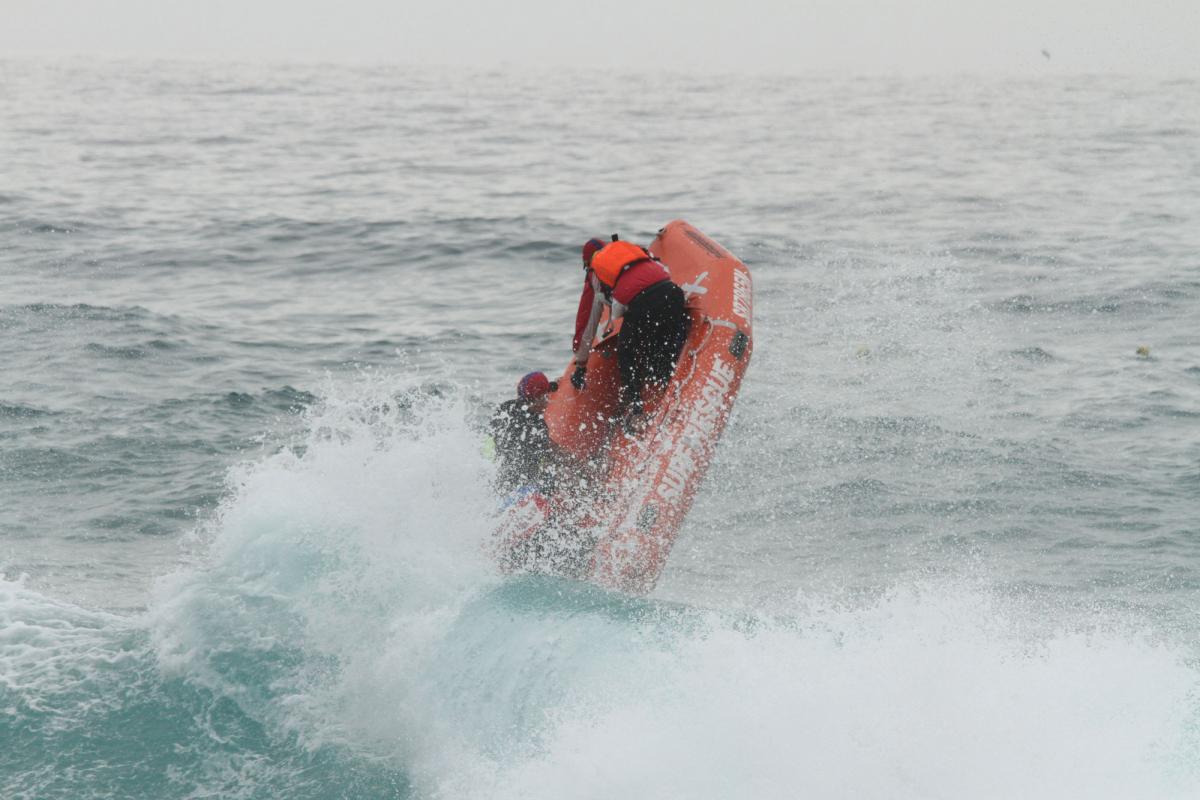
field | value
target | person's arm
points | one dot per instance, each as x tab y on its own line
616	310
585	337
585	310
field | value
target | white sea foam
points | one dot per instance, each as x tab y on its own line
47	645
348	581
368	533
926	693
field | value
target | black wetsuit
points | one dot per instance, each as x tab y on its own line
523	447
653	333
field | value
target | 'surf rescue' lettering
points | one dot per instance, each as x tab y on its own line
742	294
696	439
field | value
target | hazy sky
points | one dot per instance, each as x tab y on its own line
1158	36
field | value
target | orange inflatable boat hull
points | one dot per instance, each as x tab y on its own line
648	479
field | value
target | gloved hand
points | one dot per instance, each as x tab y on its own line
579	378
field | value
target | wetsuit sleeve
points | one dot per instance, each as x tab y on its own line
616	310
588	334
585	310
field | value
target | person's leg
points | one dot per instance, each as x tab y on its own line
652	335
669	321
631	357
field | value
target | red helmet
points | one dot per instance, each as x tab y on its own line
590	248
533	386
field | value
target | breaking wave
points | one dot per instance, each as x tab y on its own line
339	631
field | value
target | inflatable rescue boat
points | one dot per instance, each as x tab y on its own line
614	518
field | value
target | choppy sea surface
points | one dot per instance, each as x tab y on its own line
251	318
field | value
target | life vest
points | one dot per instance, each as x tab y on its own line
614	258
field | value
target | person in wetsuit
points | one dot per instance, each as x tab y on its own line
525	454
535	473
637	286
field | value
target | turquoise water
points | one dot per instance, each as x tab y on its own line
252	317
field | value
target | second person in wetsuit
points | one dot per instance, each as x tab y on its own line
525	453
639	288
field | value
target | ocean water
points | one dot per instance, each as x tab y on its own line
251	318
